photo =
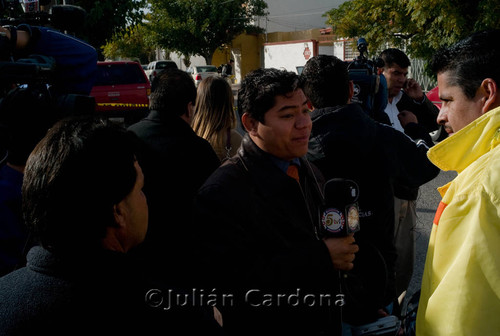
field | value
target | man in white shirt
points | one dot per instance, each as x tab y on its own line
410	112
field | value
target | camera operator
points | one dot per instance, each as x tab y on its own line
76	61
30	104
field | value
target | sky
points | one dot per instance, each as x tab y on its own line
296	15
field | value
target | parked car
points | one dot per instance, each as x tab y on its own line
433	96
121	90
156	67
201	72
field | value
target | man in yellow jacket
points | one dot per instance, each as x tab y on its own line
461	281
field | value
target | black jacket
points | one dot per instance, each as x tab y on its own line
346	143
103	292
257	237
175	162
426	113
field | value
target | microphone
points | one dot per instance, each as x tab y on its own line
340	214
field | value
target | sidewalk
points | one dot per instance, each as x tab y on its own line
235	88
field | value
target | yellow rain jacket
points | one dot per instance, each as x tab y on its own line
461	281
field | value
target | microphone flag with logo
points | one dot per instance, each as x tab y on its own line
340	214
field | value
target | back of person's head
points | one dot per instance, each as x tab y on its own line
325	81
470	61
214	111
260	87
395	56
171	92
25	116
73	179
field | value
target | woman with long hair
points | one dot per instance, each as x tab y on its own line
214	116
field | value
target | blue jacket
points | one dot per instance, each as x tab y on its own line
76	61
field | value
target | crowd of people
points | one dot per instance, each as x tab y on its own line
180	224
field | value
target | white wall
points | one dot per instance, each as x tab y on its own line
286	56
195	60
325	50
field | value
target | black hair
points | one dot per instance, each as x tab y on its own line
171	91
73	178
325	81
260	87
470	61
395	56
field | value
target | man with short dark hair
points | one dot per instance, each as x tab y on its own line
176	162
405	94
227	69
461	280
83	203
257	222
346	143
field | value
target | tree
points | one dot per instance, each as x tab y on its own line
106	18
134	42
199	27
422	25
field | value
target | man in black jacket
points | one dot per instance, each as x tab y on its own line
83	203
175	162
257	228
346	143
409	111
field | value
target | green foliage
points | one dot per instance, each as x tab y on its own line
105	18
132	43
199	27
422	25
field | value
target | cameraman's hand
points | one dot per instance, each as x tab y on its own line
405	117
342	251
413	89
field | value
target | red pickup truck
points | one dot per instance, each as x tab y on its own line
121	90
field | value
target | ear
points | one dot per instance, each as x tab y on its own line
249	123
187	116
490	94
119	214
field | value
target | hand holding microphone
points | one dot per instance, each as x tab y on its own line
339	221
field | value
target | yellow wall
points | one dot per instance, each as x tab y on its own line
251	47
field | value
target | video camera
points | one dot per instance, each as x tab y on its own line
34	69
49	79
62	17
369	91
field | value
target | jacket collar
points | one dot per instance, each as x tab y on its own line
467	145
348	108
168	118
262	166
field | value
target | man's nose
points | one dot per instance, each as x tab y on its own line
304	120
442	117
